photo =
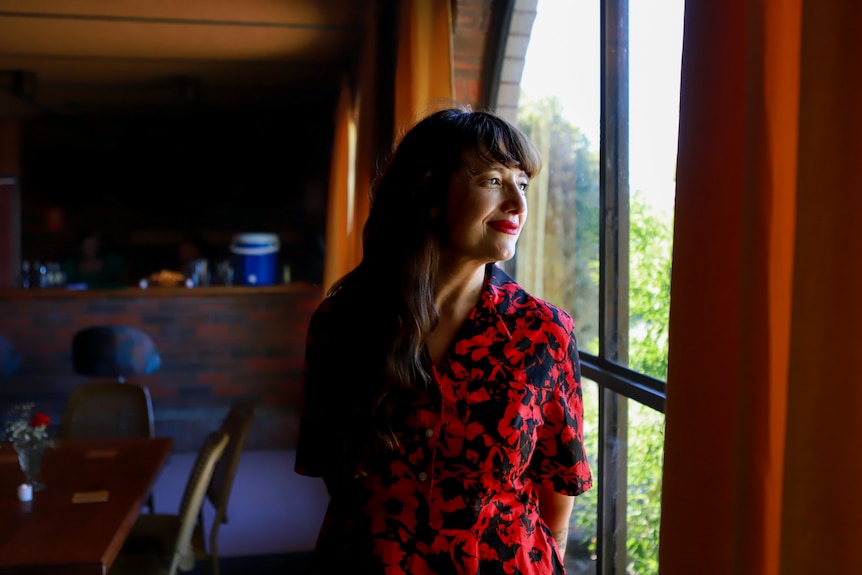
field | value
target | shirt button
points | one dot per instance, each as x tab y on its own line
423	476
429	433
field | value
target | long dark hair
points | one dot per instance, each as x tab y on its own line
401	242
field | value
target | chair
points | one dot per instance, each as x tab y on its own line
118	352
101	409
107	409
236	424
114	351
162	543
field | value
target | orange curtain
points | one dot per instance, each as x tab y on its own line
424	78
341	230
761	459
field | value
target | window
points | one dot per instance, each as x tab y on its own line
599	95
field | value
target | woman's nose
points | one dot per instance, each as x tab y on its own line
516	201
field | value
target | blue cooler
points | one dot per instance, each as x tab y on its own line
255	259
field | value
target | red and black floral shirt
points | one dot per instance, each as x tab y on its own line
456	498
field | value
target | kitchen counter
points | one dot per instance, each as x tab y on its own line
153	292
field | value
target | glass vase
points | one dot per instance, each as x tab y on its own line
30	454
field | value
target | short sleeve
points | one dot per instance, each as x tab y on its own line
560	460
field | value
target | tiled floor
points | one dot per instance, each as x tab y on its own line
272	510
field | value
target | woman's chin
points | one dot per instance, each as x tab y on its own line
506	255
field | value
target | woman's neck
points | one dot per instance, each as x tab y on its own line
458	290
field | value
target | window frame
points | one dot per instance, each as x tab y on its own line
617	384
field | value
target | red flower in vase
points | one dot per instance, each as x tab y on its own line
40	420
23	426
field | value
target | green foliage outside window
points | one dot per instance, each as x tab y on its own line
570	265
651	237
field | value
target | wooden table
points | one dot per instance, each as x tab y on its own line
52	534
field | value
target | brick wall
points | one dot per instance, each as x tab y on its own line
469	43
218	345
472	26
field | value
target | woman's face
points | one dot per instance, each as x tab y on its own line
486	210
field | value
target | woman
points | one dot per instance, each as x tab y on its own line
442	403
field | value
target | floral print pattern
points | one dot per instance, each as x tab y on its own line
457	498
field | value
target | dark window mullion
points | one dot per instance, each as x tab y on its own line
613	284
638	386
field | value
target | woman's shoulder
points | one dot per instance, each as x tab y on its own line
341	308
513	300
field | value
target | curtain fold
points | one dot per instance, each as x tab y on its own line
761	457
423	82
341	225
424	73
823	460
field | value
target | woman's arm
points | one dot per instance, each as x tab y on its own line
555	509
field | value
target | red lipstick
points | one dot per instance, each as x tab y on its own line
505	226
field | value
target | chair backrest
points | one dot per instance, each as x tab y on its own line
236	423
114	351
107	409
183	558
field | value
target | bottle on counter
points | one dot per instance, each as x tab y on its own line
25	275
56	275
40	275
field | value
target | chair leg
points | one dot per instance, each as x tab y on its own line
216	567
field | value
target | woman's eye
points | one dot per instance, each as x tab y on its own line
523	186
494	181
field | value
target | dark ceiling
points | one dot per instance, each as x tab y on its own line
71	57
